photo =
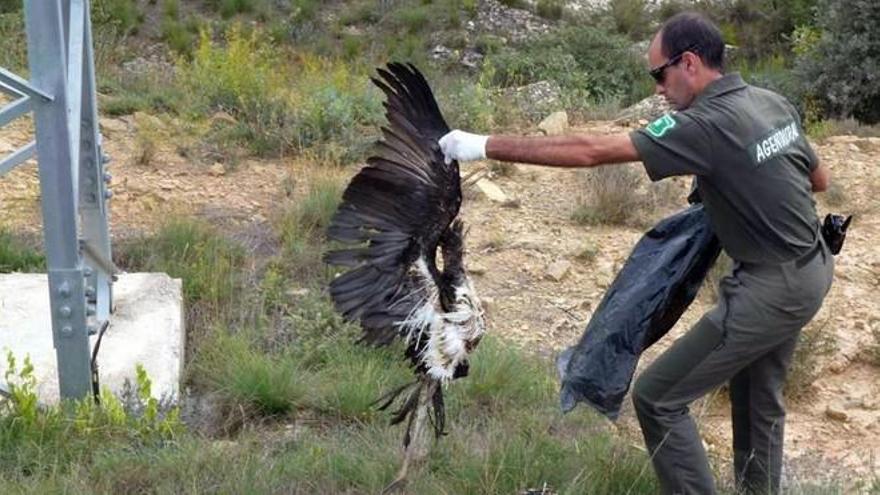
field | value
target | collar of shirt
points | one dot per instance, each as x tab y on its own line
724	84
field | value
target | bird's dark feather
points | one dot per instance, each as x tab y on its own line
395	210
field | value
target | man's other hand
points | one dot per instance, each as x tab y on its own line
463	146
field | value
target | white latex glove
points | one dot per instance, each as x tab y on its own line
463	146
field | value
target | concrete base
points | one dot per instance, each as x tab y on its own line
146	328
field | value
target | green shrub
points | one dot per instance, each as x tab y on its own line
246	376
850	32
631	18
470	105
17	256
209	265
322	100
551	9
7	6
123	16
588	63
13	42
775	73
39	441
229	8
178	34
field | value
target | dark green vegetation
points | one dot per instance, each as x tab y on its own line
290	391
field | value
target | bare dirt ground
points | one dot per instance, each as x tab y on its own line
516	248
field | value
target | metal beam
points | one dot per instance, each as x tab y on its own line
10	91
14	110
22	154
74	194
93	192
48	67
76	26
20	86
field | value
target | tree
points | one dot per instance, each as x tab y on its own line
841	69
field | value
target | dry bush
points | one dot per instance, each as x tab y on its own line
835	196
144	146
814	343
623	195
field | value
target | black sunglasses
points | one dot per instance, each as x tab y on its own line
659	73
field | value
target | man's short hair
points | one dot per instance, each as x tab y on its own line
690	31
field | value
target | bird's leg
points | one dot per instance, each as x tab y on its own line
419	441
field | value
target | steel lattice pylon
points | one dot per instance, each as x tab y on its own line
61	95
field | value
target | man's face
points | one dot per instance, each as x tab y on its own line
676	84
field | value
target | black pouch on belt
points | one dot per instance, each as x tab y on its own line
834	231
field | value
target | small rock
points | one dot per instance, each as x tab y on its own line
491	191
555	124
836	413
471	59
837	367
440	52
585	304
476	269
217	169
536	99
298	292
558	270
644	111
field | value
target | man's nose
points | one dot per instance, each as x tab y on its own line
660	89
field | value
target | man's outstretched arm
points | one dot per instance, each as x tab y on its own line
575	150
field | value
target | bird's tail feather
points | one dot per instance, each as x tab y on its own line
409	396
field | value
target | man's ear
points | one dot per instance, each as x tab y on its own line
692	62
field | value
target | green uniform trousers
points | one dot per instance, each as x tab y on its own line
747	340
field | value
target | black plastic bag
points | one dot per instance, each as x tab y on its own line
659	281
834	231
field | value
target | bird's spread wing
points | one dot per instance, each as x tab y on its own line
395	210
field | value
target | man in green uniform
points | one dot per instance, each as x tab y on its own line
755	172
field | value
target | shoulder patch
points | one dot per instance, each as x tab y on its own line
660	126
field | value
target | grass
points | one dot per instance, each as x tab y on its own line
293	389
210	265
13	44
814	343
821	130
338	442
301	224
17	255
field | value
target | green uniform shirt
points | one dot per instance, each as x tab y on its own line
746	147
